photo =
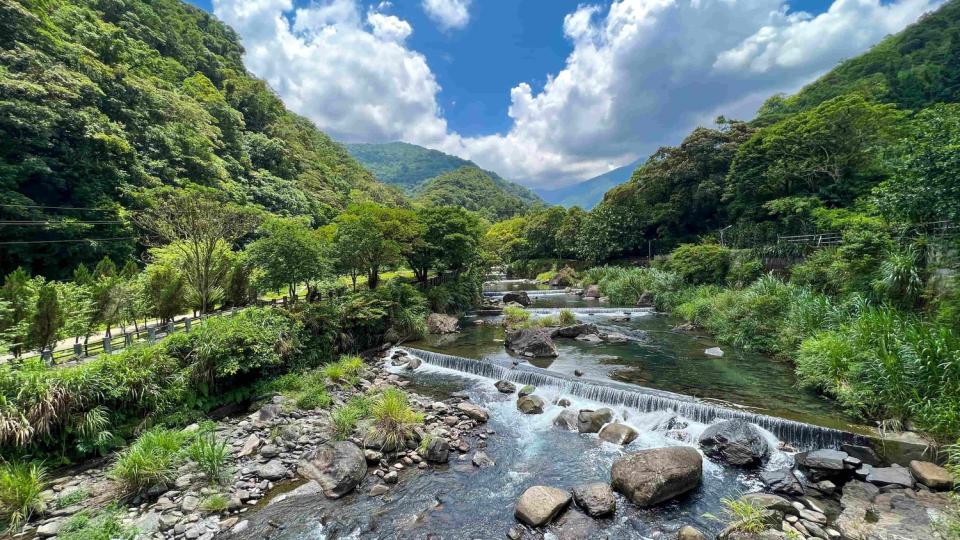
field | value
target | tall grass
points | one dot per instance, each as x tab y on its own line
211	455
21	485
151	460
394	419
105	525
346	370
567	318
741	515
345	417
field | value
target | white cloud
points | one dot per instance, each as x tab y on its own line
449	14
641	74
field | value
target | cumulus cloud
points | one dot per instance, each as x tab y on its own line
449	14
641	74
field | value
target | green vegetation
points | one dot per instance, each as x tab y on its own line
21	485
216	503
567	318
741	515
76	496
478	191
151	460
211	455
345	417
106	524
394	420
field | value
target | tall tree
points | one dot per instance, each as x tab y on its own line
288	253
47	318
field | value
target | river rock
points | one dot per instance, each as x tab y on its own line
438	451
618	434
869	514
824	464
596	499
438	323
864	453
531	343
250	445
649	477
269	412
531	404
735	442
592	292
894	475
769	501
540	504
931	475
782	481
476	413
506	387
520	297
567	419
715	352
337	467
482	460
574	330
589	338
690	533
591	421
274	470
527	390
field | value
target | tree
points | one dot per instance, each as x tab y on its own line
449	239
504	242
199	232
47	319
370	237
165	291
288	253
105	268
78	309
20	293
566	233
541	233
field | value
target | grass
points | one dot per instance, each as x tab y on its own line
76	496
567	318
345	417
346	370
20	487
307	389
742	515
152	459
394	419
105	525
210	455
424	444
515	316
215	503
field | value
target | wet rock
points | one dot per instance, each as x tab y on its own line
478	414
574	330
615	337
520	297
563	402
574	525
931	475
782	481
690	533
864	453
649	477
372	456
715	352
592	292
337	467
618	433
822	464
527	390
768	501
578	373
591	421
540	504
596	499
482	460
378	490
531	343
516	532
685	328
412	363
531	404
567	420
589	338
272	470
438	451
891	476
506	387
735	442
438	323
869	514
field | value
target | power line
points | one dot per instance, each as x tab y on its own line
71	240
56	207
57	222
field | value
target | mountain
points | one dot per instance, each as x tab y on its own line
588	193
104	101
475	189
408	166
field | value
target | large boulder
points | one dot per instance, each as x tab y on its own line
474	412
591	421
650	477
932	475
567	419
337	467
782	481
438	323
505	387
895	475
735	442
574	330
531	343
618	434
438	450
531	404
518	297
596	499
540	504
592	292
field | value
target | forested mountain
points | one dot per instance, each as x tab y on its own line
105	100
475	189
408	166
588	193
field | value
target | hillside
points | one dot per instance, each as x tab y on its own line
103	101
588	193
474	189
408	166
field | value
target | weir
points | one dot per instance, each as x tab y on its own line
797	434
589	310
532	294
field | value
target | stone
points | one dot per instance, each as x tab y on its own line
932	475
189	503
567	419
824	464
563	402
589	338
715	352
591	421
438	323
269	451
378	490
574	525
438	451
372	456
527	390
869	514
645	300
618	434
592	292
531	343
519	297
596	499
531	404
506	387
891	476
337	467
864	453
50	528
688	532
412	363
269	412
649	477
240	527
574	330
272	470
482	460
478	414
782	481
148	523
250	446
769	501
539	505
735	442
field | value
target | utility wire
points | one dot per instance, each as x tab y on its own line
71	240
57	222
57	207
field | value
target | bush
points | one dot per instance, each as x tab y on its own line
515	316
211	456
21	485
106	525
152	459
394	419
744	269
458	295
701	263
567	318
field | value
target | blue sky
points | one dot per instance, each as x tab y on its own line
470	77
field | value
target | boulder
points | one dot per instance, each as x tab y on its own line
589	338
650	477
690	533
592	292
735	442
931	475
506	387
518	297
531	343
540	504
269	412
274	469
527	390
574	525
591	421
715	352
567	419
864	453
596	499
574	330
782	481
891	476
412	363
438	323
768	501
482	460
337	467
478	414
824	464
438	450
618	434
531	404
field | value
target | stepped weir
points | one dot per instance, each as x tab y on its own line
797	434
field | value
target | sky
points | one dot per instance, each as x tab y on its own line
545	92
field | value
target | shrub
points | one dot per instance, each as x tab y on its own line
394	419
106	525
567	317
21	485
742	516
900	277
210	455
152	459
744	269
701	263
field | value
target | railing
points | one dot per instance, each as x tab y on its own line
817	240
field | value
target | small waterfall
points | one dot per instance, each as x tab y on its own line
797	434
531	294
590	310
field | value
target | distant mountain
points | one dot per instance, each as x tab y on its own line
588	193
478	190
